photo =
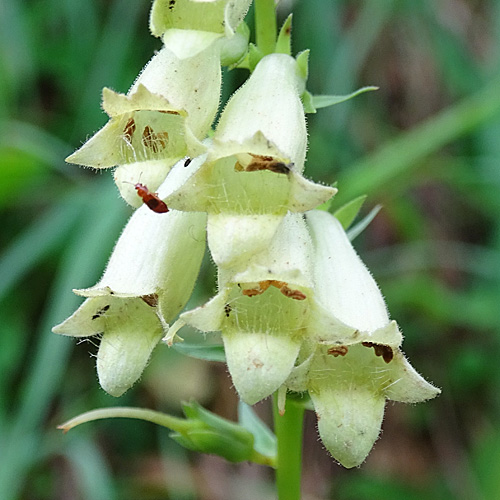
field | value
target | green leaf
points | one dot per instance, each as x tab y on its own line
307	102
402	156
323	101
348	212
253	57
284	42
364	223
265	441
303	64
39	239
201	351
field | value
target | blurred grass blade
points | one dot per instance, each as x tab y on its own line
36	241
200	351
90	470
93	237
38	143
380	171
364	223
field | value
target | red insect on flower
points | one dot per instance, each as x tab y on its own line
151	199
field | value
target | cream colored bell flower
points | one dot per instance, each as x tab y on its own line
253	172
163	118
148	280
262	313
349	381
219	17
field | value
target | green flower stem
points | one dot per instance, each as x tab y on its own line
156	417
288	430
265	25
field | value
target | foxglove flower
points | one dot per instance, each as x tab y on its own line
147	282
166	113
349	382
262	312
253	172
218	17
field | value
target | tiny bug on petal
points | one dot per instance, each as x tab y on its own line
151	199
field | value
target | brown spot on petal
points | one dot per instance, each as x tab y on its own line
381	350
129	130
340	350
260	162
151	299
258	363
281	285
155	141
293	294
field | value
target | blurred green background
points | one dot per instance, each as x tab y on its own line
426	146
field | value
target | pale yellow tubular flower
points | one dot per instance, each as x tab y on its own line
163	118
262	312
349	381
253	172
148	280
220	17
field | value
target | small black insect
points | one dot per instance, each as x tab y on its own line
100	312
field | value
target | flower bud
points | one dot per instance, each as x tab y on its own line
209	433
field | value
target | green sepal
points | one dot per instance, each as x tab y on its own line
323	101
363	223
253	57
303	64
284	42
348	212
308	102
265	441
215	435
201	351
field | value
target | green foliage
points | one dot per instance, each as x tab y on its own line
348	212
425	146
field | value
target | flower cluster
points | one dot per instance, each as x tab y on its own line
296	307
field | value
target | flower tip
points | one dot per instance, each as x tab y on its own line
112	387
349	423
59	329
259	363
